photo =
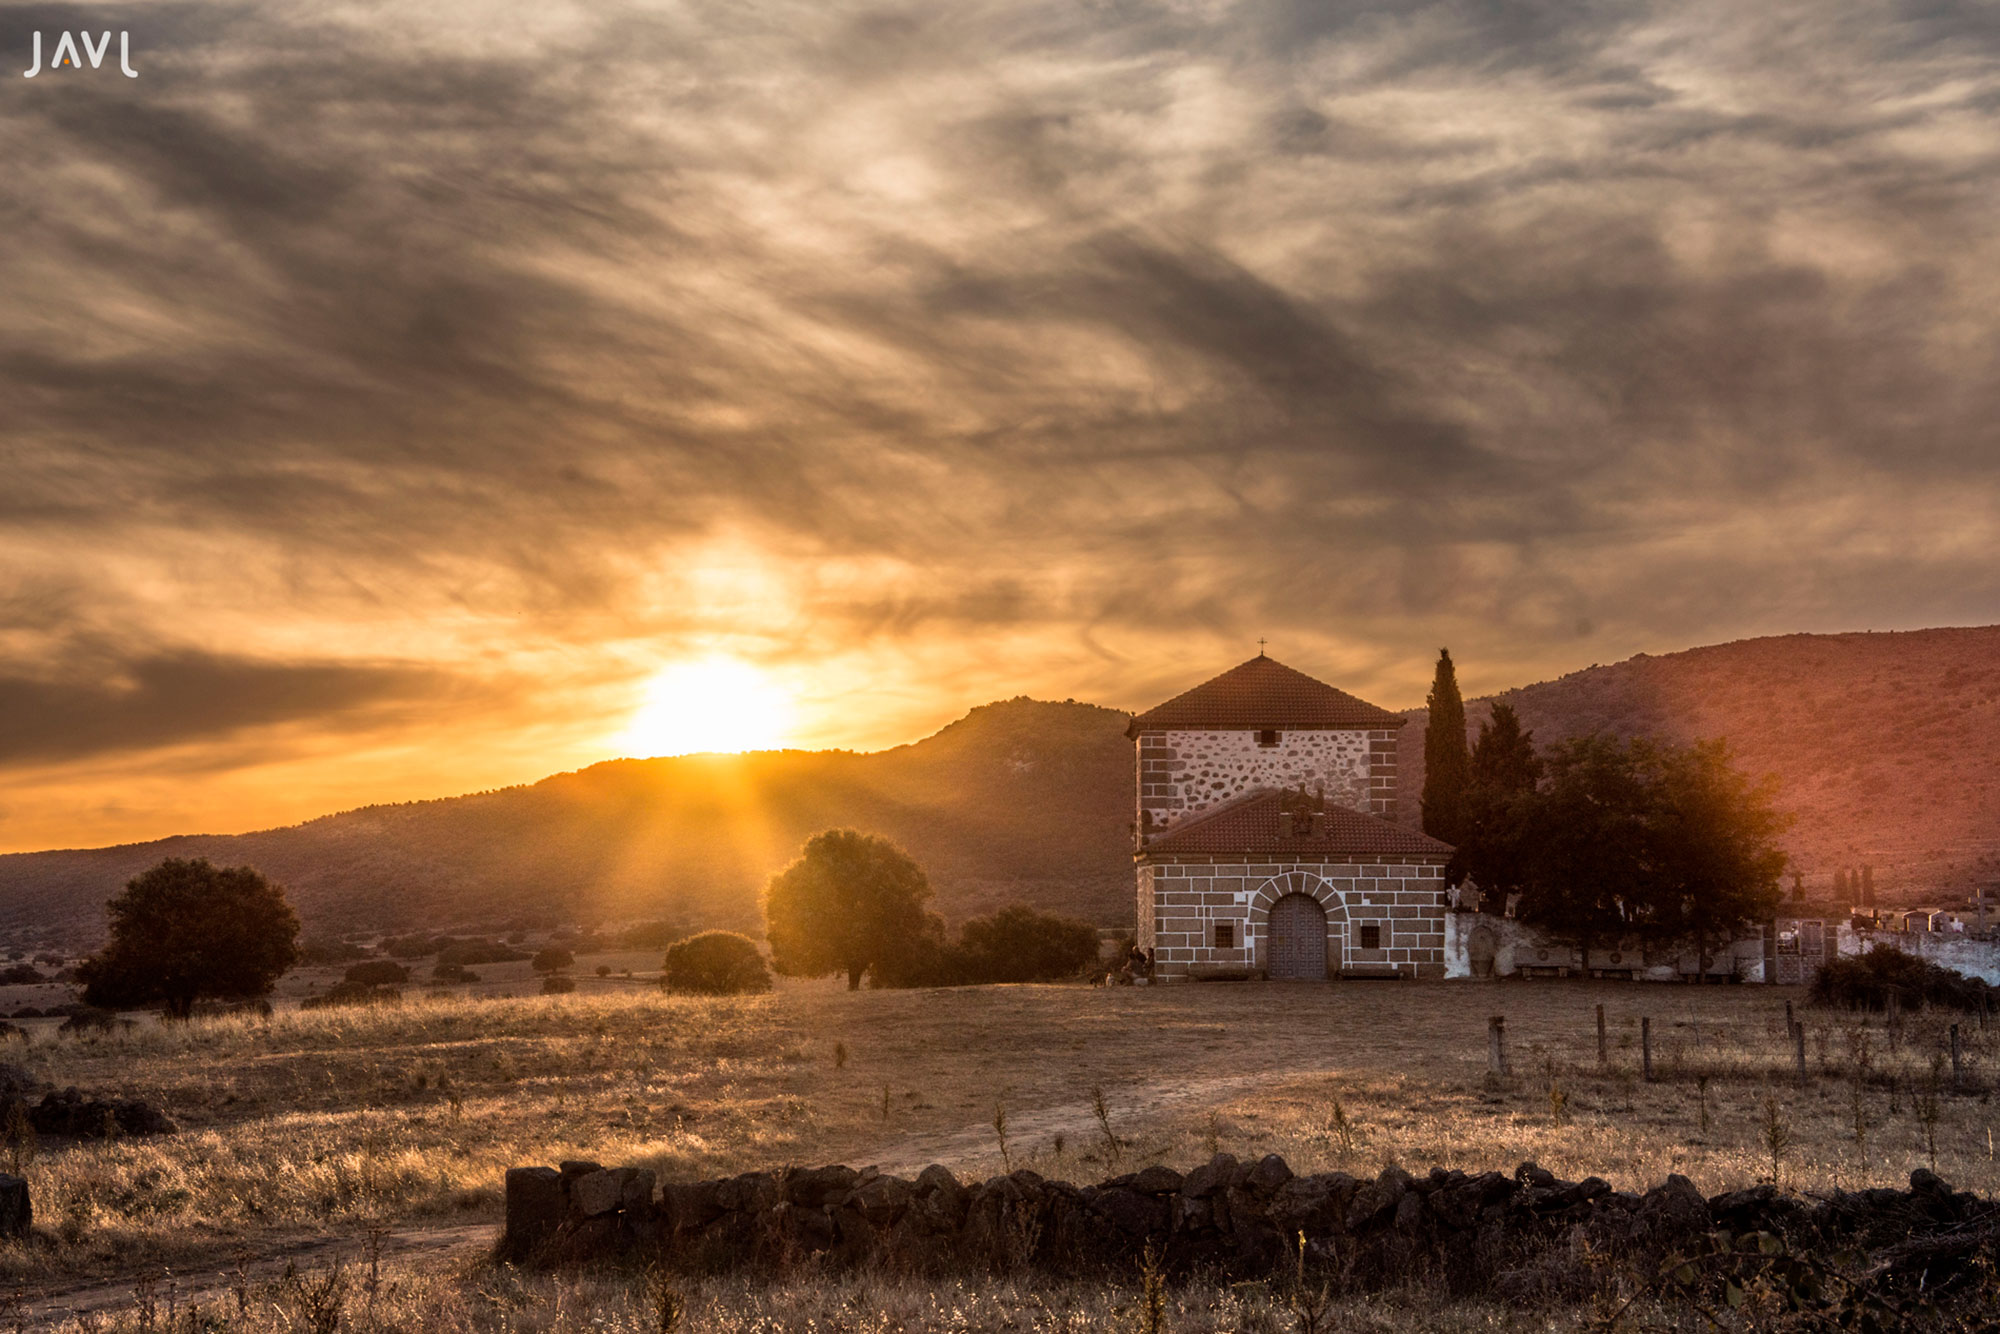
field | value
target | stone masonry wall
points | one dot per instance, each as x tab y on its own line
1403	897
1147	931
1528	1236
1183	774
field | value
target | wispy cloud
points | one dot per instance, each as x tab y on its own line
362	349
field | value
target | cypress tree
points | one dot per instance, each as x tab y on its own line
1840	892
1447	759
1868	886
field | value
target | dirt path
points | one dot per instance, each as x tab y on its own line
1028	1128
401	1248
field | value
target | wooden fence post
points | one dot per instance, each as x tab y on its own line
1799	1046
1603	1051
1646	1046
1496	1044
1957	1061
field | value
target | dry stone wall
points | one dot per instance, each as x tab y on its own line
1514	1236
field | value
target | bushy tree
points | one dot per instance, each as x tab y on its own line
1018	944
1447	764
185	930
1715	863
554	959
849	903
924	957
1494	844
1636	837
716	963
1586	836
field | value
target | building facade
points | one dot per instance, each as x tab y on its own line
1266	843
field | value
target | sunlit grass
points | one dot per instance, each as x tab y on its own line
324	1122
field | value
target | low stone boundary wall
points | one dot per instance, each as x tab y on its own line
1514	1236
17	1212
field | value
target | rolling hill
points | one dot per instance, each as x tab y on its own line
1018	800
1887	747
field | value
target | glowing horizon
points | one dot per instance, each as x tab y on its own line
393	392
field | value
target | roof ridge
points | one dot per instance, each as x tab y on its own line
1263	693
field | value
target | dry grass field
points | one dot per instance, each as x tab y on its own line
308	1132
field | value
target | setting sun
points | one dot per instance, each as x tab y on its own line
717	704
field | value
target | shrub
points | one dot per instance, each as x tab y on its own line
1018	944
318	951
718	963
464	952
89	1019
554	959
378	973
453	972
352	993
20	974
558	984
415	946
1867	983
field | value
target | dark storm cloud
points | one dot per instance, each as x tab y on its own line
179	697
1100	316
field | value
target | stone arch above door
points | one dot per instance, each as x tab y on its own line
1257	921
1295	882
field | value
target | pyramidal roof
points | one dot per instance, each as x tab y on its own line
1250	825
1262	693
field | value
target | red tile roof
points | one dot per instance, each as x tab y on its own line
1250	825
1262	693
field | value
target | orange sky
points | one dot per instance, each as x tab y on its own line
389	394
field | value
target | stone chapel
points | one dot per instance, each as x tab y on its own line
1267	844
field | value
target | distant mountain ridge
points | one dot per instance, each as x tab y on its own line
1019	800
1887	746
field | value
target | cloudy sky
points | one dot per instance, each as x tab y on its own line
389	393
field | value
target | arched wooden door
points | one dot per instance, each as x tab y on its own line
1298	939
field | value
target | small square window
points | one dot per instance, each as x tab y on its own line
1225	935
1371	936
1267	737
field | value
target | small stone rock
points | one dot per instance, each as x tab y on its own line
17	1211
1270	1173
816	1187
937	1177
597	1193
1157	1180
1210	1177
534	1209
881	1200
